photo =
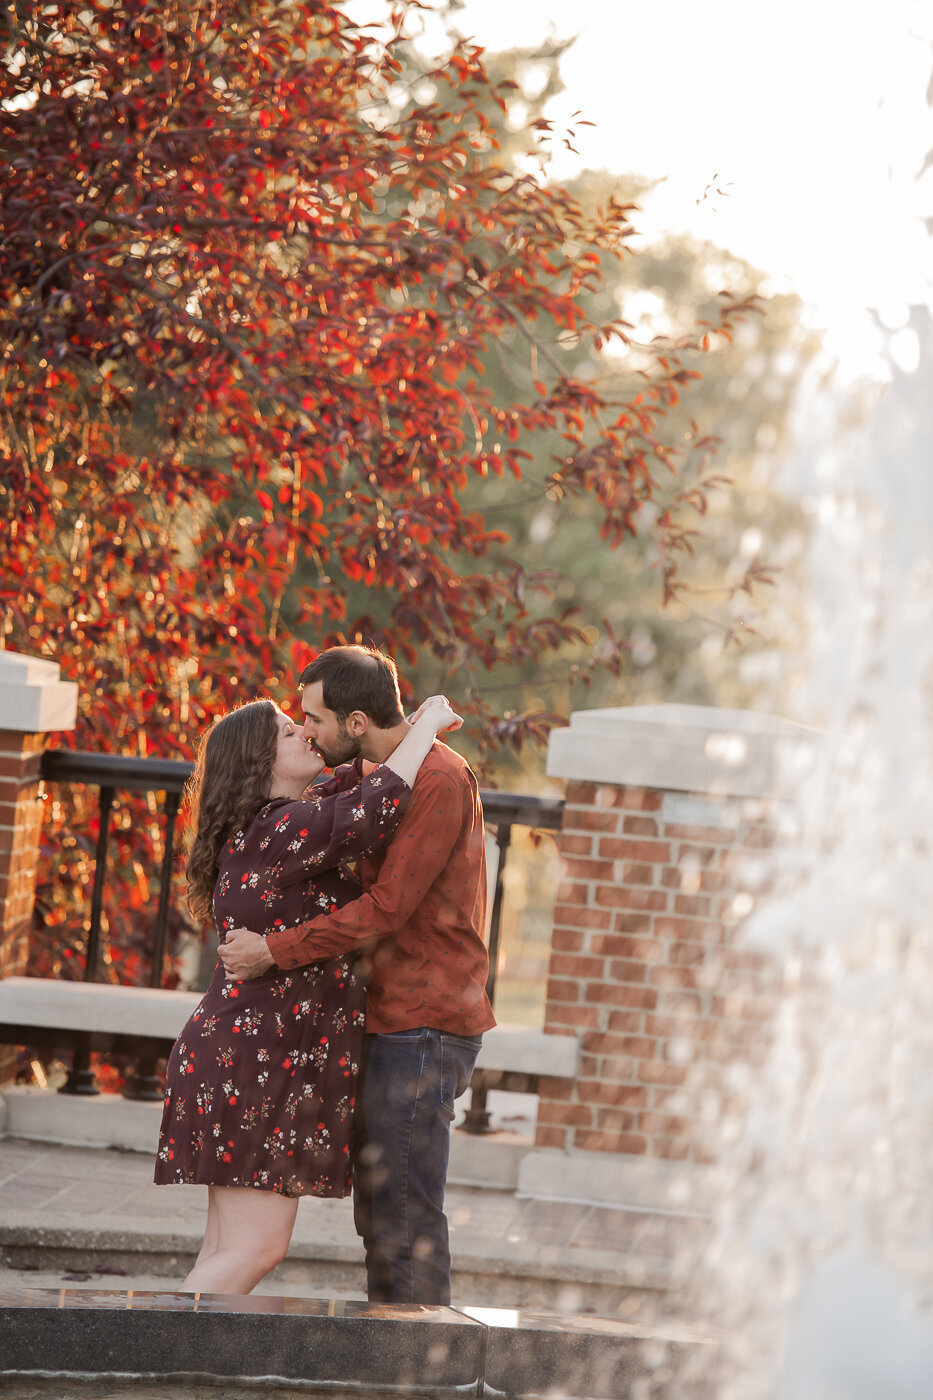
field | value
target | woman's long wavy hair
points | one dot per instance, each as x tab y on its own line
229	785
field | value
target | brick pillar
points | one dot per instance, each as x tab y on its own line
20	823
671	819
33	703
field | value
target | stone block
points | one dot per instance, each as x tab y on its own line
542	1355
32	698
525	1051
200	1338
695	749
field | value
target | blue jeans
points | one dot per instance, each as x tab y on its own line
405	1107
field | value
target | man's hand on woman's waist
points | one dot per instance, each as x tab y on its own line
245	955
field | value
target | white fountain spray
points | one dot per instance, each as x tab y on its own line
824	1252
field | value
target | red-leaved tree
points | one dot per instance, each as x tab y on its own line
247	292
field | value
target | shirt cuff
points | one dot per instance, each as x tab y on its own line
285	944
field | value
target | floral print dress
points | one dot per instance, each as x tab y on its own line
261	1083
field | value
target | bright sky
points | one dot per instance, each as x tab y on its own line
809	115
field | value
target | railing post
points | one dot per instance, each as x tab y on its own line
145	1083
477	1118
503	841
80	1078
92	953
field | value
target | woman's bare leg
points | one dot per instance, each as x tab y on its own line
211	1230
247	1234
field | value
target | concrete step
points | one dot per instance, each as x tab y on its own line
559	1279
95	1270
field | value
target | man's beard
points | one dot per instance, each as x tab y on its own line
343	750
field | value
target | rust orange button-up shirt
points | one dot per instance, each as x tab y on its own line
423	910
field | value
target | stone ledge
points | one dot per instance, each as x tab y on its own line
46	1002
94	1006
685	748
611	1179
184	1338
526	1051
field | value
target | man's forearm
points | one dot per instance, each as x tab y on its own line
373	916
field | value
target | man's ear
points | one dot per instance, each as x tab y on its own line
357	723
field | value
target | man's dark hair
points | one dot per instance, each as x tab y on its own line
357	678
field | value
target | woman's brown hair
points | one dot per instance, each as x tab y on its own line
229	785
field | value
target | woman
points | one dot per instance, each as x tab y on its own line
261	1082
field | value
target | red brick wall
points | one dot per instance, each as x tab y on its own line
647	966
20	826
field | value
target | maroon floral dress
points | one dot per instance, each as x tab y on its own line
261	1083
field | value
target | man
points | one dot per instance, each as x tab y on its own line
422	918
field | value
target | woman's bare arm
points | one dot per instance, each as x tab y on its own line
433	718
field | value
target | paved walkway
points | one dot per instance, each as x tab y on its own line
92	1215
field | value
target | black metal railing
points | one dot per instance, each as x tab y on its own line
112	772
503	811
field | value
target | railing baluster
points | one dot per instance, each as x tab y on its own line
92	960
172	803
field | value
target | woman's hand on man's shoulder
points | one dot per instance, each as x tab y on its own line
440	712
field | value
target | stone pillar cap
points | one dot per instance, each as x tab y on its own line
26	670
684	748
32	698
